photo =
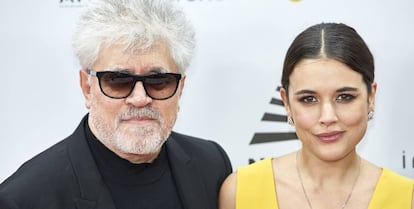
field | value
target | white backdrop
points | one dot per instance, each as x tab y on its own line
233	78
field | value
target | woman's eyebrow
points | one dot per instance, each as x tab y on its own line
345	89
305	91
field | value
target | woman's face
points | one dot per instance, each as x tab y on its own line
329	104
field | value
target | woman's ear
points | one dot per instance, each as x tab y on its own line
371	97
285	98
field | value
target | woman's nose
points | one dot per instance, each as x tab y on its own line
328	114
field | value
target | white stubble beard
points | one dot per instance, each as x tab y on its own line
131	140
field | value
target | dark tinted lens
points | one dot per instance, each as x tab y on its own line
116	84
161	86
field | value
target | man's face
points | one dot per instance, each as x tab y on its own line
134	127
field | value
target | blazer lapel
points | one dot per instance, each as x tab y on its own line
190	186
93	192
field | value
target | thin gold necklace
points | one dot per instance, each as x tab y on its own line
306	194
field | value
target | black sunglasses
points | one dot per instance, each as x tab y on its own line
119	85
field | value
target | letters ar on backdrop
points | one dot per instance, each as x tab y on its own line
231	94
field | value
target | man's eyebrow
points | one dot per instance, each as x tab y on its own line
158	70
118	69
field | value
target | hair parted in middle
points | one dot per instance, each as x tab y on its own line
332	41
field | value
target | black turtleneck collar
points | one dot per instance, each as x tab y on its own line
118	170
146	185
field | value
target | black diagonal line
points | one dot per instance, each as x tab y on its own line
275	101
273	137
274	117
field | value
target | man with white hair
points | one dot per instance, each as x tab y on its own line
124	154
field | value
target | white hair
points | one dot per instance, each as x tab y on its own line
136	25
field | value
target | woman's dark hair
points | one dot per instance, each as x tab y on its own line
334	41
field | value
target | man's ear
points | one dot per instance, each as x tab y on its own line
181	86
85	86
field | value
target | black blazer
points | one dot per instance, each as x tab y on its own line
65	175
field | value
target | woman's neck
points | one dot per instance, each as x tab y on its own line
323	172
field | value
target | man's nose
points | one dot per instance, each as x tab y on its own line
138	96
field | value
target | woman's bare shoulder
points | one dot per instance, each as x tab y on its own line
227	196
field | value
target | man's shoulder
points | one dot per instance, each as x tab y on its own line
47	172
199	148
51	166
56	157
192	141
42	165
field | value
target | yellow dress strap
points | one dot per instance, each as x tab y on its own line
392	191
256	186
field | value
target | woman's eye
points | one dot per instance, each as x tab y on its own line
345	98
308	99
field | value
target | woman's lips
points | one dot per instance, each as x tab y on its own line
330	136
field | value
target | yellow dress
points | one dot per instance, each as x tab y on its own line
256	189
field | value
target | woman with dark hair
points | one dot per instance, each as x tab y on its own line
328	89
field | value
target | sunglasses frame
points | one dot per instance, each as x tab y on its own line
136	78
